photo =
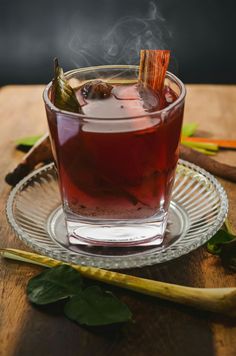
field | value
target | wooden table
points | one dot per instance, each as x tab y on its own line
160	328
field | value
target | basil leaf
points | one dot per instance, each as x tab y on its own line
94	307
62	94
189	129
54	284
28	141
215	244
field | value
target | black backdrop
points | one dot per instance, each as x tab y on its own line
201	35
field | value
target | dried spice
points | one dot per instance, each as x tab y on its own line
96	89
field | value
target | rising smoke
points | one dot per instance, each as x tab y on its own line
122	42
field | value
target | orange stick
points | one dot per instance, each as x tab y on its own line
219	142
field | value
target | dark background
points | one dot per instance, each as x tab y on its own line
201	35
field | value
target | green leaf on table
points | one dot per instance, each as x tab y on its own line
189	129
216	243
228	254
93	307
63	95
224	245
28	141
54	284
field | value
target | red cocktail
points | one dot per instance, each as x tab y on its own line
117	160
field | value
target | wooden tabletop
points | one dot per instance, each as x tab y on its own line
161	328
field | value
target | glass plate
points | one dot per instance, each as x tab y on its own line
198	209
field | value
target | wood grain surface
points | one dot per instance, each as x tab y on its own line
160	328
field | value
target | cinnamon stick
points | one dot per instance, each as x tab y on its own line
40	153
153	67
221	170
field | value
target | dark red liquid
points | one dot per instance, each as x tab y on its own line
118	169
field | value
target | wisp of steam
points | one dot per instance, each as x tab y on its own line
120	44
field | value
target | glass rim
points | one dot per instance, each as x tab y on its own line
169	75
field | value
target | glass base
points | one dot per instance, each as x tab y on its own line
117	233
35	213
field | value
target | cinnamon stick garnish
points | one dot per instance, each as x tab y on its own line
40	153
221	170
153	67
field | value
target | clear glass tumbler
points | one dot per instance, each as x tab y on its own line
116	174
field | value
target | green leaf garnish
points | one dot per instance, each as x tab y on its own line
53	285
91	306
28	141
62	94
94	307
189	129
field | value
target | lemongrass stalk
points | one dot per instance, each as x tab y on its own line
203	145
221	300
206	152
189	129
202	150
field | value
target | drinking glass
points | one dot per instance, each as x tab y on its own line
116	173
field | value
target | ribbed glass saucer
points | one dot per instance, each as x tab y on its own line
198	209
